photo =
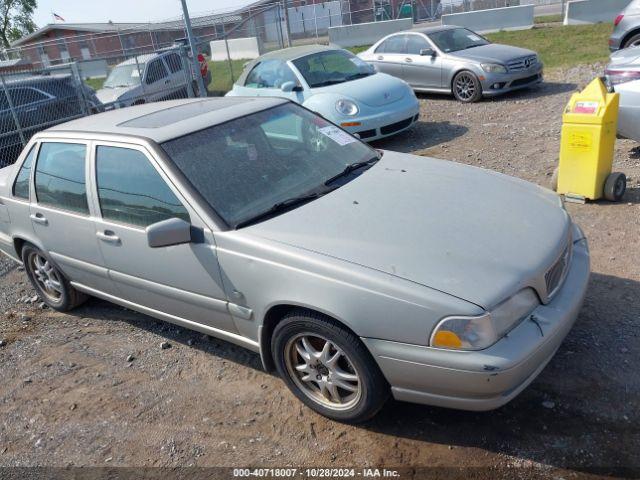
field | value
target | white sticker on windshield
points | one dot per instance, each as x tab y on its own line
339	136
474	37
358	62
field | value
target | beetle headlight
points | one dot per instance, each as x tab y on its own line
346	107
493	68
477	333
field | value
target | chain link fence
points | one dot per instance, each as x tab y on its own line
32	100
106	66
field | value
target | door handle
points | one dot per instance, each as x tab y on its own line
380	57
408	59
108	236
39	218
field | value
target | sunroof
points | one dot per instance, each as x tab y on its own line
171	115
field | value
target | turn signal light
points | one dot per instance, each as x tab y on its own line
350	124
447	339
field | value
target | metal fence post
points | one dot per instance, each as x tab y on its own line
77	80
13	111
144	91
230	63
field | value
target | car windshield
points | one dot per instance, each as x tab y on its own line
331	67
246	167
124	76
456	39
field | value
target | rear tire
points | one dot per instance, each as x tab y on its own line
50	284
327	367
634	41
615	186
466	87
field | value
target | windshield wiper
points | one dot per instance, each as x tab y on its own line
284	205
326	83
352	167
357	75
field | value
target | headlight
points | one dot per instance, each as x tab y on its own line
346	107
493	68
477	333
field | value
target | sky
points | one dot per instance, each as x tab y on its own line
74	11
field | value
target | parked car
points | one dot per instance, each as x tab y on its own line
39	101
448	59
355	273
622	75
146	78
336	84
626	32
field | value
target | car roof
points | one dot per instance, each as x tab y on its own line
162	121
428	30
285	55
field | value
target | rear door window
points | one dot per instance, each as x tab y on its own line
174	62
21	185
60	176
156	72
394	44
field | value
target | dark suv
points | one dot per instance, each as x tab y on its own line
39	102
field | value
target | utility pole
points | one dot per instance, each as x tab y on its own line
194	53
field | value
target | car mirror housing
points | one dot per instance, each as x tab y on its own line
173	231
428	52
290	87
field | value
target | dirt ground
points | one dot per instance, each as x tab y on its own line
69	397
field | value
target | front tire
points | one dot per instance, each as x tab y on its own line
633	41
466	87
328	368
50	284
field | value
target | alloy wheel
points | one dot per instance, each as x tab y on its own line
322	371
46	276
465	86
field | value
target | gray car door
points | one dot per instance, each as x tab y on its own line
389	56
61	215
421	71
133	192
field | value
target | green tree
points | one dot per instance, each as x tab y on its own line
16	19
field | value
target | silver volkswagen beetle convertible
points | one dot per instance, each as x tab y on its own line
449	59
355	273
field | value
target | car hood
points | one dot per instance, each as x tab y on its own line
375	90
108	95
493	52
472	233
629	57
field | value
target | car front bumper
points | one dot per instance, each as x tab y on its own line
499	83
486	379
386	121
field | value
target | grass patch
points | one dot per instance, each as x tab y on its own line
549	19
561	46
95	83
221	81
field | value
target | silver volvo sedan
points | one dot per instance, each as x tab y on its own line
355	273
449	59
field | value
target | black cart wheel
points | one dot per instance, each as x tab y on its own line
328	368
615	186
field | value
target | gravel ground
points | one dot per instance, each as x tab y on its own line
95	388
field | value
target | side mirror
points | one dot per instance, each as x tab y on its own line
173	231
290	87
428	52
